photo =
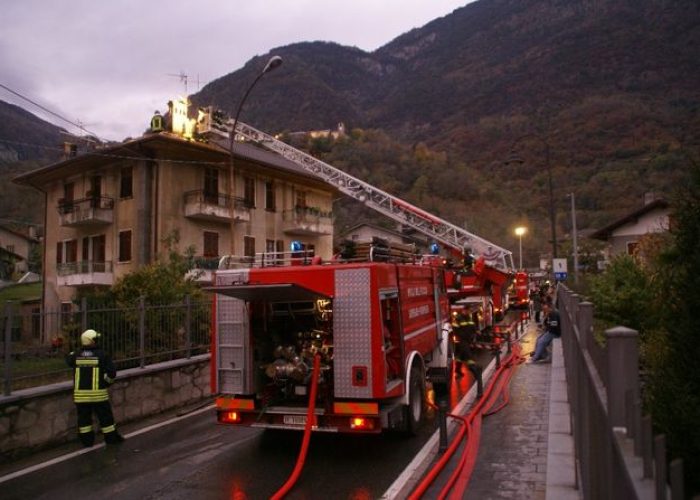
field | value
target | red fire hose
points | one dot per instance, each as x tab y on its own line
310	420
470	433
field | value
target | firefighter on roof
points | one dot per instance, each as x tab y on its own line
94	372
465	331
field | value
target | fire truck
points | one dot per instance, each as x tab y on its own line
380	328
521	296
377	326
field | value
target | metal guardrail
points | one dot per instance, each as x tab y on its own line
616	455
134	336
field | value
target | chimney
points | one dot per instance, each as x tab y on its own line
649	197
70	150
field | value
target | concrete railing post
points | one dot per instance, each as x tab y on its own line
83	314
623	371
142	331
7	386
188	326
585	324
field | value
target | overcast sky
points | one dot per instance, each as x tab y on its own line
106	64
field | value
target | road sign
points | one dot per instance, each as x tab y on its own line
560	276
559	266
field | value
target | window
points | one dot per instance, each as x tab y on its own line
270	196
249	246
68	192
211	244
249	192
300	199
211	185
280	246
270	252
59	252
71	251
124	246
126	182
632	247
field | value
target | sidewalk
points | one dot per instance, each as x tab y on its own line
526	450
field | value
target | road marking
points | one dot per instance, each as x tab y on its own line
420	463
68	456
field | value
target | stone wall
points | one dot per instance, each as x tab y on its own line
40	417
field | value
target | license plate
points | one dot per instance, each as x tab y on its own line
295	419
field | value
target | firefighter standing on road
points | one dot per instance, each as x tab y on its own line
464	330
94	372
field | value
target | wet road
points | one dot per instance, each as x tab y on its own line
194	458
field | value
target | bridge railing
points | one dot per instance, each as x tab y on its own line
616	454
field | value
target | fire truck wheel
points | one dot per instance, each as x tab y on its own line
415	411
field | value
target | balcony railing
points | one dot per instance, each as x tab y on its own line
307	221
218	207
91	211
202	268
85	272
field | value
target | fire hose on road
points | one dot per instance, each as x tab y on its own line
310	420
470	432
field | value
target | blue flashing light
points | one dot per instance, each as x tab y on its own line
434	248
295	246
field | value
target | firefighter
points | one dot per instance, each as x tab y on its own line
94	372
465	331
467	261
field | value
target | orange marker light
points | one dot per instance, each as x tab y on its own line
361	424
230	417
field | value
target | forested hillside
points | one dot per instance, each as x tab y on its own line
608	85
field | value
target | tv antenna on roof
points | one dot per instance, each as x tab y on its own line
183	79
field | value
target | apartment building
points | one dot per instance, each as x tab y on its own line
109	211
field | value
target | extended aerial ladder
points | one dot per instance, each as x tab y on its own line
438	229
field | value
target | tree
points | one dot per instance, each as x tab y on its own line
672	349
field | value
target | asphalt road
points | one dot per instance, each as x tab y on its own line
193	458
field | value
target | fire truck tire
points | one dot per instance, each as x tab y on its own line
415	410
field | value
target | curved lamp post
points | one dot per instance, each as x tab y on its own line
519	232
273	63
514	158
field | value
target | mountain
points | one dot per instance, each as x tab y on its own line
24	136
609	87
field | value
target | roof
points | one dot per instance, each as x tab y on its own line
18	233
177	149
372	226
604	233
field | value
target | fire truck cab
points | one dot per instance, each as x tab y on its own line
378	327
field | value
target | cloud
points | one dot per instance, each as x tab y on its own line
108	62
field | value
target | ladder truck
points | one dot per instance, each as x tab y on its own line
380	329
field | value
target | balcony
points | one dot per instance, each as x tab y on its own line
307	221
215	207
85	272
86	212
203	269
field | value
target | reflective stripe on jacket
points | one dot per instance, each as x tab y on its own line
92	375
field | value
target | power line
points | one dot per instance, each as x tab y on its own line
43	108
115	156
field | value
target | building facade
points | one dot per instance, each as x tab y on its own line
623	235
15	249
113	210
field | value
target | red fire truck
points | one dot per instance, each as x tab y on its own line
377	326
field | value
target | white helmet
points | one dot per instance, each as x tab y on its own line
89	337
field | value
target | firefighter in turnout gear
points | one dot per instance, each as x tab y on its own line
465	331
94	372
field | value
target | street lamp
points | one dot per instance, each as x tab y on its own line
274	62
519	231
514	158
